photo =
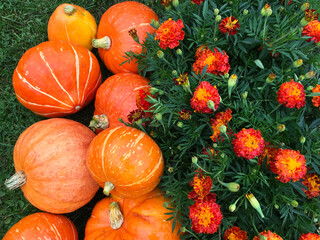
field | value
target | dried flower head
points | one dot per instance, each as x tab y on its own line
185	114
309	236
170	33
316	99
269	236
289	165
202	94
229	25
201	186
235	233
136	115
221	118
291	94
312	182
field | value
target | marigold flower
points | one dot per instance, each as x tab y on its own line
217	62
312	30
185	114
136	115
201	186
183	80
312	182
309	236
316	99
235	233
269	235
205	216
229	25
169	33
269	152
202	94
221	118
133	34
291	94
248	143
197	1
289	165
166	3
141	101
309	15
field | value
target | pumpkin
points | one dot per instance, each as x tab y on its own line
56	78
113	34
116	98
50	163
72	23
43	226
125	161
131	219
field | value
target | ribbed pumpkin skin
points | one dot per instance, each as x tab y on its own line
116	97
116	23
128	158
56	78
52	153
80	27
144	218
43	226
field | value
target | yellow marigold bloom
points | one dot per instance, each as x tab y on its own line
235	233
312	182
270	236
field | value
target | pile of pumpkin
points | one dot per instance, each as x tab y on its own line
61	163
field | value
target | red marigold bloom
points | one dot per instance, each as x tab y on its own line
270	236
316	99
197	1
235	233
229	25
217	62
312	182
141	101
291	94
185	114
183	79
201	186
289	165
169	33
312	30
248	143
135	115
269	151
221	118
202	94
309	15
166	3
206	216
309	236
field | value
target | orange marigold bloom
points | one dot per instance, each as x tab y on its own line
269	152
229	25
312	30
309	15
291	94
221	118
202	94
235	233
197	1
185	114
312	182
289	165
316	99
270	236
169	33
201	186
309	236
248	143
141	101
135	115
205	216
217	62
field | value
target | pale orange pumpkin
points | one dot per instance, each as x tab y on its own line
125	161
118	218
43	226
72	23
50	163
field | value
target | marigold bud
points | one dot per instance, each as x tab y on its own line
232	207
134	35
262	237
245	12
218	18
232	80
194	159
266	10
179	52
281	127
155	23
294	203
223	128
271	77
165	204
309	88
302	77
175	3
310	74
297	63
302	139
158	116
305	6
183	229
216	11
211	105
180	124
174	73
161	92
170	169
233	186
304	22
215	39
244	94
215	145
254	203
276	206
160	54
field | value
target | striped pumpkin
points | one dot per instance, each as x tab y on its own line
56	78
43	226
125	161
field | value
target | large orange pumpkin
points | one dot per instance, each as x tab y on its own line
126	160
139	218
117	97
50	163
43	226
56	78
113	34
72	23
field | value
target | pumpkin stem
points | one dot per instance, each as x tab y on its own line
104	42
108	187
15	181
69	10
115	215
99	122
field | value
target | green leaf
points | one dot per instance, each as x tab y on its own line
205	9
259	63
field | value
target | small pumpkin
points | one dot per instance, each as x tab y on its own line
113	34
125	161
134	219
72	23
50	163
43	226
56	78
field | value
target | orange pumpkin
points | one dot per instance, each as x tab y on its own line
125	161
117	97
139	218
113	34
50	163
43	226
56	78
72	23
